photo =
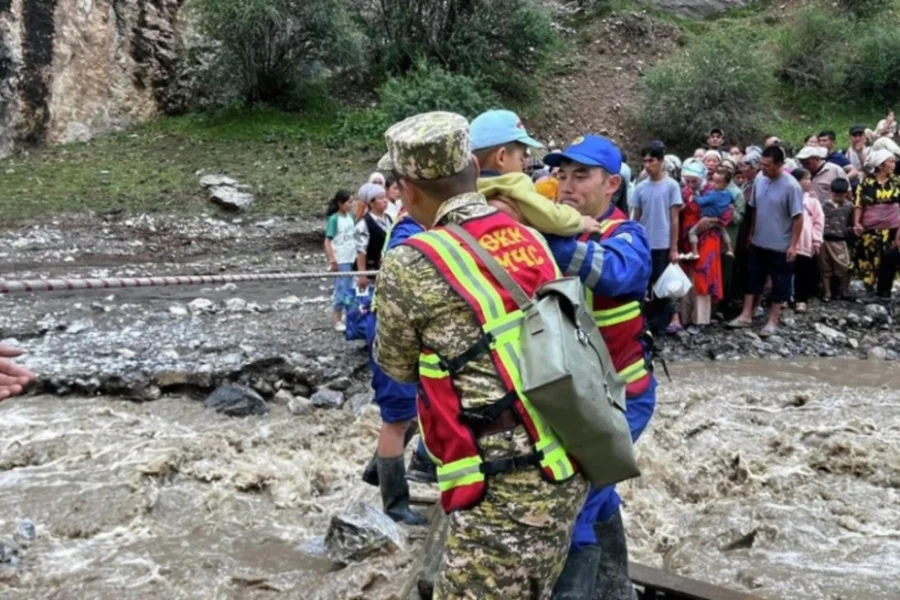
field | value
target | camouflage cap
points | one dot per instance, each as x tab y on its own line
428	146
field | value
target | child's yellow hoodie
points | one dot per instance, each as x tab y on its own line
540	213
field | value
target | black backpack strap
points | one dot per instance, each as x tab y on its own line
516	463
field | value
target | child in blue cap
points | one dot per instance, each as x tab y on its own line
501	144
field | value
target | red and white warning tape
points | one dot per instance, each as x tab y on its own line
110	283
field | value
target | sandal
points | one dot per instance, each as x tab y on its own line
738	323
674	328
768	331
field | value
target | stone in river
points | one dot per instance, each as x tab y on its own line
236	401
360	532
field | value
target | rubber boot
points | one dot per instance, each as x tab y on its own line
395	491
421	468
578	579
370	473
613	582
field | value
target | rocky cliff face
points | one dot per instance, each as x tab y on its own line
72	69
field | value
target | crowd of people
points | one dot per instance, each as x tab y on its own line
748	226
764	224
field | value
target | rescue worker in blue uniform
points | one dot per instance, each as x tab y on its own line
615	268
397	403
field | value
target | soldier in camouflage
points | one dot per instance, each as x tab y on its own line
513	544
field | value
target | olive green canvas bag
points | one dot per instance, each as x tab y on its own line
567	373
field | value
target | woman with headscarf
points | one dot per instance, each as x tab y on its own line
876	220
712	160
377	178
706	272
371	230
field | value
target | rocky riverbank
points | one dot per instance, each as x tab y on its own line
273	336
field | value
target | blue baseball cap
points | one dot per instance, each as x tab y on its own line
498	127
590	151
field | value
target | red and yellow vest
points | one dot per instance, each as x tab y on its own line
622	324
450	441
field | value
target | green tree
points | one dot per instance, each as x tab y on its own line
501	43
712	83
267	50
429	87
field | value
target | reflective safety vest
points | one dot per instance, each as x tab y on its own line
447	428
621	323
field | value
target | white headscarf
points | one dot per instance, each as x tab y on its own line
377	178
878	158
886	143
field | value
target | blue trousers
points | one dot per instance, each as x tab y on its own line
603	503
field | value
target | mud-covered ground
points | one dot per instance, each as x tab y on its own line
769	474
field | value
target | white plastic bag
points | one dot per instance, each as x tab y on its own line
673	283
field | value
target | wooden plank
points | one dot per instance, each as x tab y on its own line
681	588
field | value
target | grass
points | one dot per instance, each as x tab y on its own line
293	162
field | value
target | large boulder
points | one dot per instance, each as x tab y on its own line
361	531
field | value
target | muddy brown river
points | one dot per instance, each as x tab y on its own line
776	478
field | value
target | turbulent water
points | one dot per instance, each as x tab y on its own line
778	478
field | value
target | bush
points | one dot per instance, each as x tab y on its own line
267	50
710	84
875	75
813	53
430	87
863	9
502	43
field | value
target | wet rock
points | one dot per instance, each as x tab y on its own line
341	384
876	353
853	343
26	529
80	326
878	313
287	303
300	406
234	305
202	305
832	335
171	378
891	355
853	319
231	197
208	181
359	401
326	398
236	401
178	310
9	553
282	397
360	532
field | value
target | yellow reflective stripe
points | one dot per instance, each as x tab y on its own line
507	328
466	270
467	480
605	225
634	372
614	316
465	471
429	366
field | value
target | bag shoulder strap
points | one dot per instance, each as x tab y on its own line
499	273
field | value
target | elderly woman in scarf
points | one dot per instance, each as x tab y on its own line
706	272
876	220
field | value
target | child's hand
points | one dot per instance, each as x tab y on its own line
591	225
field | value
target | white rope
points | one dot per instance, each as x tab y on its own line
109	283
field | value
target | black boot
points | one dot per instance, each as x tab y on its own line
613	582
370	473
578	578
421	470
395	491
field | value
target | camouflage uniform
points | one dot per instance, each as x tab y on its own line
514	543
